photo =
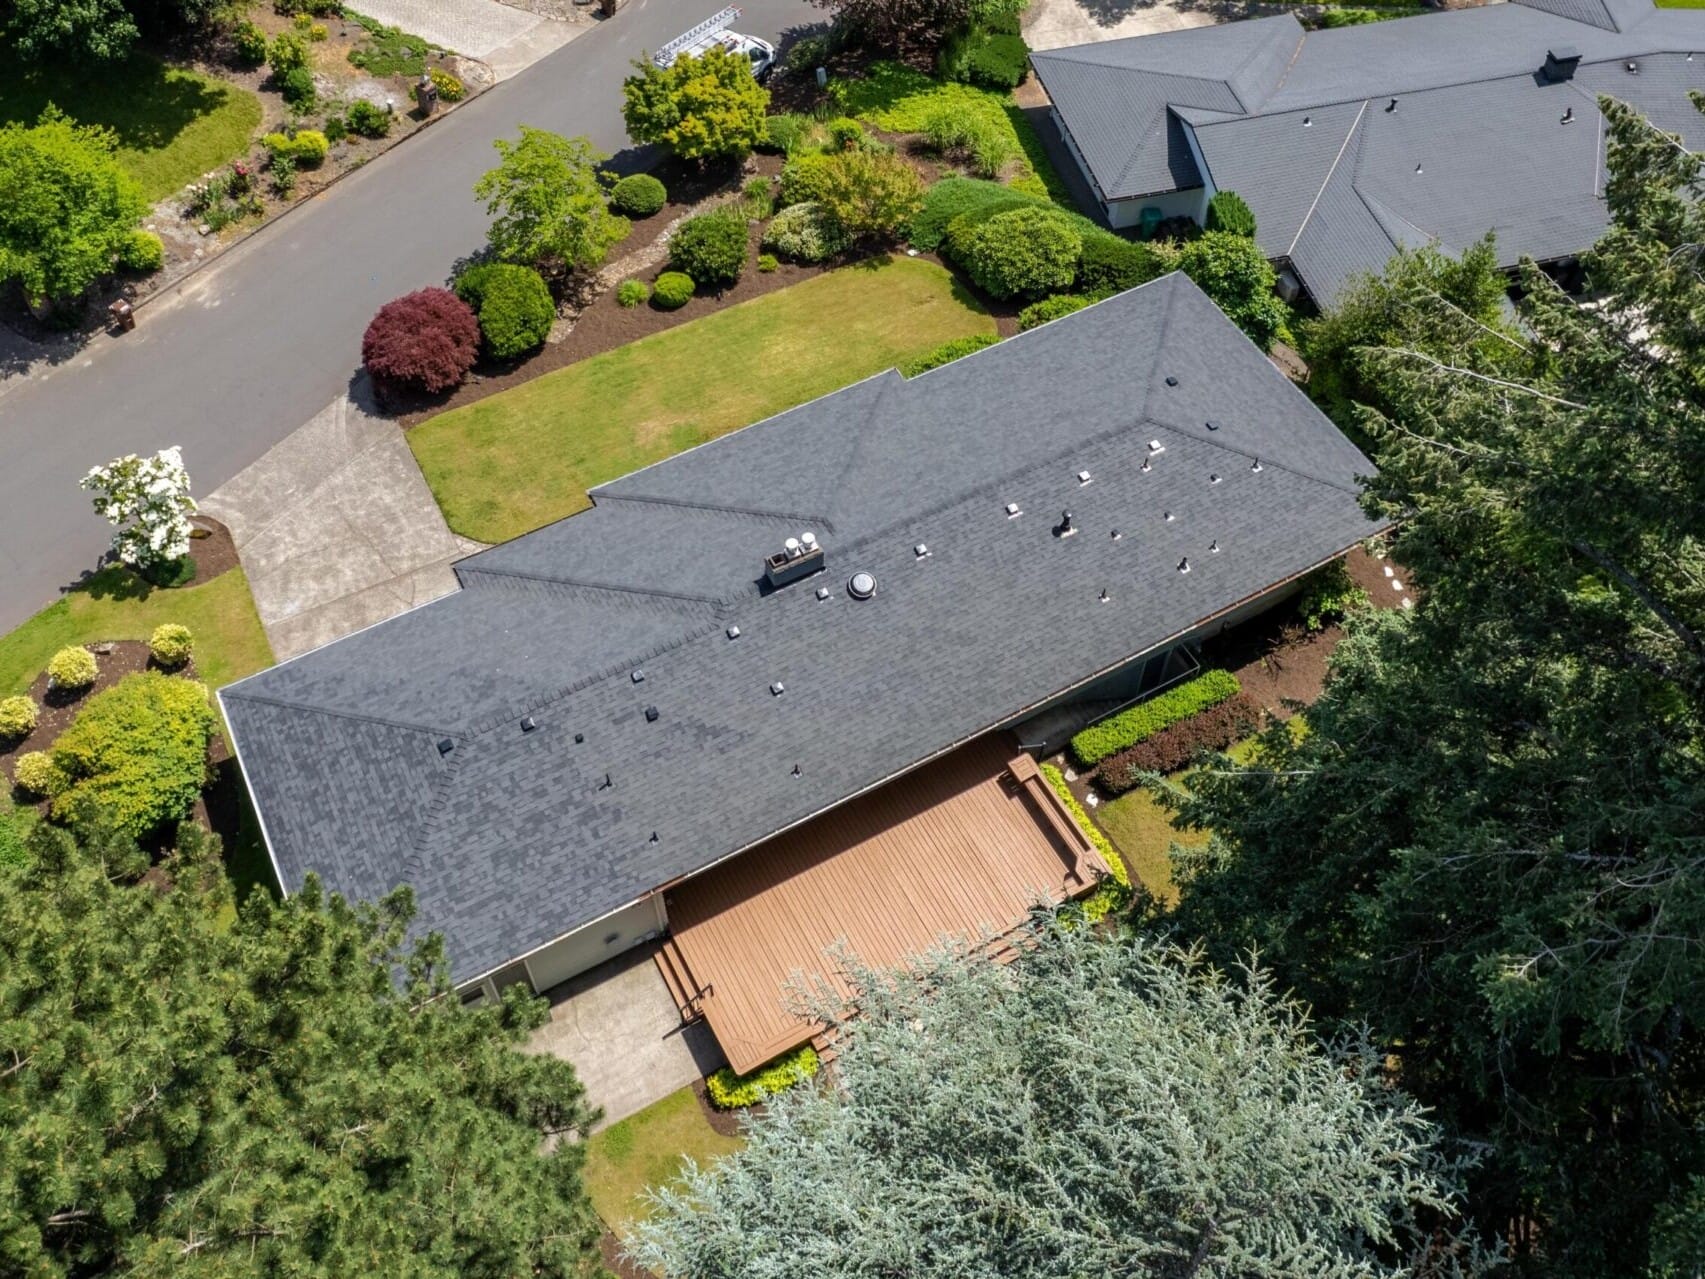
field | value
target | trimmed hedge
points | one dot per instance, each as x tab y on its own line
513	304
638	195
1110	265
72	667
1039	313
948	352
728	1091
673	291
1228	211
1145	719
1172	748
995	60
18	717
171	644
711	247
1111	894
1026	252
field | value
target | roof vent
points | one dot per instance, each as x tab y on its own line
1171	381
1214	547
607	783
528	723
445	745
733	632
862	586
1631	67
1391	106
1168	517
1104	597
1307	123
1213	477
799	557
638	677
1145	467
1012	511
580	739
615	936
1065	528
796	770
1212	426
1560	63
1568	116
1155	446
651	714
921	550
1256	466
1117	535
1084	477
1184	565
777	689
822	592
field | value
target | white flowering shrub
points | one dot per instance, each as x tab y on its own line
147	501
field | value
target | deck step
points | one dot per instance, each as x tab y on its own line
667	959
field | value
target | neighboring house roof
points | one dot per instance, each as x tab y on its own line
1296	123
514	838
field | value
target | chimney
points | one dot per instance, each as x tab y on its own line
1560	63
799	557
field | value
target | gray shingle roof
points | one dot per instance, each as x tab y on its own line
1304	136
514	838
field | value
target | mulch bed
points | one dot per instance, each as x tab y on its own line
727	1123
212	549
57	709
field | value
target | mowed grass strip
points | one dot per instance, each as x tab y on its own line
646	1150
526	456
173	124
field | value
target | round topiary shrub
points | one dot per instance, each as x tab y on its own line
36	774
638	196
427	340
805	233
632	293
170	645
803	178
711	247
72	668
17	717
674	290
142	251
845	133
1020	253
514	306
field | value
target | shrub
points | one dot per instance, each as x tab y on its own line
1232	270
450	89
955	197
1039	313
711	247
702	107
366	120
283	170
36	774
1175	746
1228	211
757	199
249	42
673	291
1110	265
782	133
17	717
170	645
297	87
728	1091
302	21
306	147
767	262
845	134
426	339
807	54
335	129
870	195
805	233
803	178
139	750
1328	595
947	352
955	128
993	60
1020	253
318	32
1115	863
632	293
72	668
143	251
638	195
1147	718
513	304
287	52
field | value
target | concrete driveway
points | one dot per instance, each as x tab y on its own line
1055	24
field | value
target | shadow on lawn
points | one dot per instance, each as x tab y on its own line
144	102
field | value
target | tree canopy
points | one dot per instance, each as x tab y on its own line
1232	270
1103	1107
702	108
297	1092
547	202
1489	846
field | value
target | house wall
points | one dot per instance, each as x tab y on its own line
1125	214
583	949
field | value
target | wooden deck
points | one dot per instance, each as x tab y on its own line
970	842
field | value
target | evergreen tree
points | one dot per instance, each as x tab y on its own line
295	1093
708	107
1490	847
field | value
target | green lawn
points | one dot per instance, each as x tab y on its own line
524	457
115	604
173	125
646	1150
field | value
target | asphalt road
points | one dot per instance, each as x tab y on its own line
255	344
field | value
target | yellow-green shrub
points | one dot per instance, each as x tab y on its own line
35	773
17	717
72	668
728	1091
171	644
1114	893
1145	719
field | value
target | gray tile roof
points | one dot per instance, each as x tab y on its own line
1297	124
513	838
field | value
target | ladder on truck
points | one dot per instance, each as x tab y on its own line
686	40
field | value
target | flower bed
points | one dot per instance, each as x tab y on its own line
729	1091
1145	719
1170	749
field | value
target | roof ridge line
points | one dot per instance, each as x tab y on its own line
596	586
384	722
866	429
713	507
1257	52
1314	204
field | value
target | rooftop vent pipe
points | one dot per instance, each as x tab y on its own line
1560	63
799	557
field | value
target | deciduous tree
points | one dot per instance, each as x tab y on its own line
1232	270
708	107
872	194
148	503
911	30
547	203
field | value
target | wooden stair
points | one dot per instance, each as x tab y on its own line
683	988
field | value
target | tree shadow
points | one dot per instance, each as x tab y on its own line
144	102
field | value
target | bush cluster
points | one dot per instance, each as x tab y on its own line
143	251
955	128
947	352
1110	265
803	178
450	89
674	289
728	1091
427	339
297	87
1329	594
711	247
845	134
249	42
335	129
307	147
171	644
139	750
954	198
1025	252
1039	313
638	196
632	293
1176	745
995	60
366	120
782	133
805	233
1228	211
36	774
72	668
513	304
287	52
1145	719
18	717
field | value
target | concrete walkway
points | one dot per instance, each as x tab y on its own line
620	1030
337	529
1057	24
484	29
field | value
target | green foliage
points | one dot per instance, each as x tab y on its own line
1228	211
948	352
18	717
68	211
1111	265
514	306
283	172
871	196
313	8
72	667
701	108
388	51
547	203
638	195
450	89
35	773
318	32
805	233
287	52
673	291
1232	270
171	644
992	60
249	41
1146	718
953	198
803	178
1329	595
710	247
911	30
296	87
302	21
295	1091
807	54
307	147
139	750
1102	1106
1039	313
143	252
956	128
768	262
845	133
757	199
783	133
336	130
632	293
94	31
1115	863
728	1091
15	826
366	120
1019	253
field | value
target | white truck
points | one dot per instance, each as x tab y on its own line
713	31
